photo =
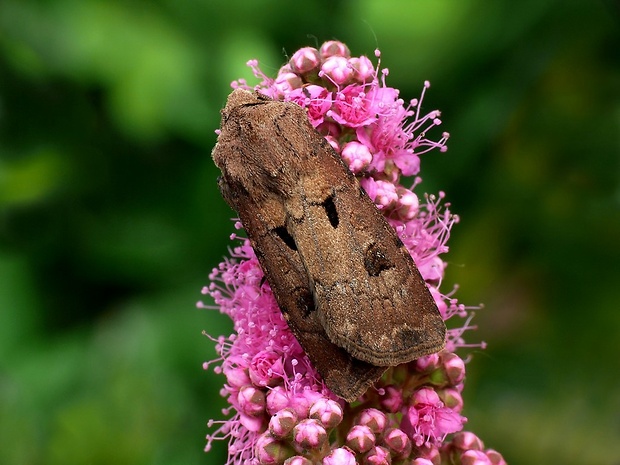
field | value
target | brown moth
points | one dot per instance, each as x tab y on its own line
345	283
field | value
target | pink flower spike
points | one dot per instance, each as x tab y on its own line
280	411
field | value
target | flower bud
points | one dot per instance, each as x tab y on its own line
357	156
331	140
454	366
430	453
309	434
277	399
282	423
360	438
334	48
408	204
378	456
254	424
427	363
363	70
475	457
340	456
466	440
302	401
287	82
495	457
452	399
237	377
421	461
336	70
251	400
305	60
386	196
392	399
298	460
426	396
398	442
327	411
270	451
373	418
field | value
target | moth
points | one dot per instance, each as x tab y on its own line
344	281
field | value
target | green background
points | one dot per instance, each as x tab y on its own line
110	219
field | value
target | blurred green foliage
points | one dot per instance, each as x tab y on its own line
110	219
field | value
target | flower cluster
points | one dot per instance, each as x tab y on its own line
280	410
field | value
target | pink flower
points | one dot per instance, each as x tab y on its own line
427	420
266	368
352	107
316	99
279	409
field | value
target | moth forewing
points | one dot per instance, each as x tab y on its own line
345	283
369	295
